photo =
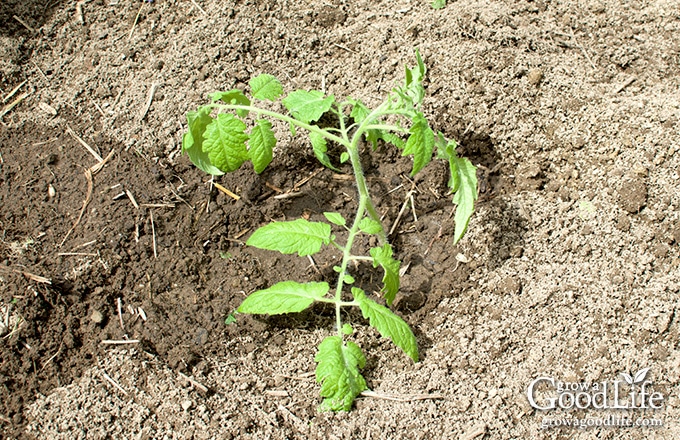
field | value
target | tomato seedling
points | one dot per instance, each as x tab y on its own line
222	143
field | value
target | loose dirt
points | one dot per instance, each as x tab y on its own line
570	268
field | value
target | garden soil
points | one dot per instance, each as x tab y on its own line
569	269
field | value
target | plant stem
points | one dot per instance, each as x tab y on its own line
284	118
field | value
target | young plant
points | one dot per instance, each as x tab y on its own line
221	144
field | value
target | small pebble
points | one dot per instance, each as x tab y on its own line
186	404
535	76
97	317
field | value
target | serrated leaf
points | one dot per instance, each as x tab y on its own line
234	97
640	375
393	139
382	256
308	106
265	86
301	236
420	143
225	142
387	323
262	142
338	373
320	148
347	329
335	218
283	297
464	198
192	141
359	113
370	226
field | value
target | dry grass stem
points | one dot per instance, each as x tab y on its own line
120	341
114	383
226	191
88	176
96	155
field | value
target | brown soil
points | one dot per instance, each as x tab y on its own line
570	267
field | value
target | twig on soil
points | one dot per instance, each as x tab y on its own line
30	276
114	383
297	186
120	341
625	84
413	207
41	72
200	387
132	198
585	53
199	7
136	20
36	278
98	166
13	92
157	205
153	234
435	238
76	254
52	357
313	264
88	176
401	212
344	48
96	155
24	24
149	100
402	397
226	191
13	104
120	313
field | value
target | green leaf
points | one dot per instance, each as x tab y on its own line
382	256
335	218
393	139
344	157
233	97
308	106
420	143
262	142
438	4
359	113
283	297
265	86
348	279
301	236
347	329
225	142
466	179
338	373
192	141
387	323
231	318
370	226
320	148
